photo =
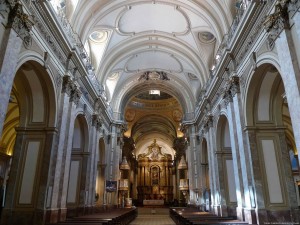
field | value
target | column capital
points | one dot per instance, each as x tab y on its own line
208	122
97	105
232	88
276	22
67	85
75	95
19	21
227	96
97	121
235	85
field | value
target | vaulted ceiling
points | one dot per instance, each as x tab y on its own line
128	39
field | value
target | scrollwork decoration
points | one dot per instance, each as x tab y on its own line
20	22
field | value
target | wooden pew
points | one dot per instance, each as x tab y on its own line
110	217
189	216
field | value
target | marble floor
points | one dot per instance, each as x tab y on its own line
153	216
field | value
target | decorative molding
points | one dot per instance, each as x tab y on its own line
129	7
75	95
208	122
276	22
97	121
67	85
18	20
154	75
293	7
150	51
232	88
235	85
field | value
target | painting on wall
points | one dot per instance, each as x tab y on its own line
111	185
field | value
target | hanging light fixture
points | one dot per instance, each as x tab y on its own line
124	165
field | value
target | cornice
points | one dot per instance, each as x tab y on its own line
65	50
232	55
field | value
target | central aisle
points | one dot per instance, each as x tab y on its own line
160	216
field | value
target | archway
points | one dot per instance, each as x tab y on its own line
78	177
271	142
27	136
225	165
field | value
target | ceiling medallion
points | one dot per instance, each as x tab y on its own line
206	37
99	36
154	75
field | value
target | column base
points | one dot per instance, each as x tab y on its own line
52	216
231	211
250	216
62	214
220	210
22	217
279	216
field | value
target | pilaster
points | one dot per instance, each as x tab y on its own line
246	204
17	31
279	23
60	148
74	93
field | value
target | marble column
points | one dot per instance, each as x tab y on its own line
288	177
74	99
193	165
258	191
217	180
94	142
246	171
114	160
221	183
236	162
210	157
17	32
58	155
9	55
291	79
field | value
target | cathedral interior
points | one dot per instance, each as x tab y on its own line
171	103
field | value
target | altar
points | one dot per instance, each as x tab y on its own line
153	202
155	178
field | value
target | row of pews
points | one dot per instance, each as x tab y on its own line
191	216
110	217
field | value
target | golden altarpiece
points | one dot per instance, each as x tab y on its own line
155	180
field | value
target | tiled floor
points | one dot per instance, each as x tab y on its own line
146	216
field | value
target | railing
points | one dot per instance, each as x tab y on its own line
75	40
241	8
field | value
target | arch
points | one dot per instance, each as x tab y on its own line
80	158
223	135
30	119
32	77
225	166
258	90
266	112
80	135
205	165
124	96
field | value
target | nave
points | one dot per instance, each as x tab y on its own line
153	216
149	102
